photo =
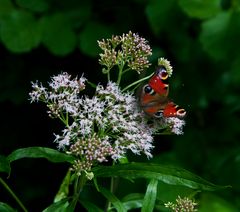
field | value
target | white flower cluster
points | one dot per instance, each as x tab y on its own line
105	125
176	125
124	121
63	95
129	49
182	204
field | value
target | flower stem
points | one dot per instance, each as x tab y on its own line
13	194
120	73
108	206
63	118
137	82
126	70
78	187
108	76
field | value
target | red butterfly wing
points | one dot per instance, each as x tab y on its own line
154	97
151	102
159	81
173	110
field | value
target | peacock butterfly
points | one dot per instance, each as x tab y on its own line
154	97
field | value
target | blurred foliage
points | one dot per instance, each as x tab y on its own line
201	38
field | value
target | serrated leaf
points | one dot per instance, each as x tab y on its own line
201	9
89	36
113	199
35	6
90	207
150	196
167	174
60	206
58	36
214	34
20	31
6	208
4	164
40	152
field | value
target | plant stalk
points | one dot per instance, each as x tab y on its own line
78	187
13	194
137	82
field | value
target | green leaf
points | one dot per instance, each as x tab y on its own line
20	32
150	196
113	199
89	36
168	192
201	9
64	188
58	36
214	33
35	6
167	174
90	207
4	164
123	160
40	152
133	201
60	206
6	208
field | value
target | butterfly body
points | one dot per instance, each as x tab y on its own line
154	97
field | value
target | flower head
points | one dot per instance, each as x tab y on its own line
129	50
89	151
175	124
62	95
97	128
182	205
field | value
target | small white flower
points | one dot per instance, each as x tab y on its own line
62	141
176	125
38	92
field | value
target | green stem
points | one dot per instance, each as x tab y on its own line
78	187
137	82
120	73
67	119
108	76
13	194
112	189
126	70
108	206
63	118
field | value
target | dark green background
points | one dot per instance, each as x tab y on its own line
201	38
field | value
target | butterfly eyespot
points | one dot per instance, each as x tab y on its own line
148	89
164	75
159	114
181	112
162	72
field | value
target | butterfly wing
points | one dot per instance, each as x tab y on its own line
152	102
173	110
159	81
154	97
